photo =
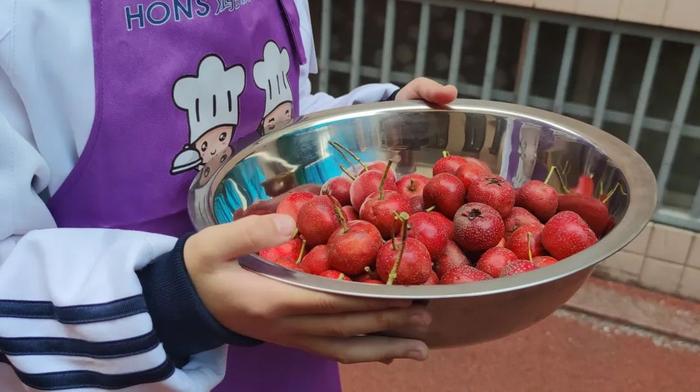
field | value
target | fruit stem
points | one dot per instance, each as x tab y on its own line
445	153
384	175
354	156
342	153
341	276
549	175
404	225
529	247
411	185
556	171
562	182
301	251
397	264
430	209
339	213
347	173
612	192
565	169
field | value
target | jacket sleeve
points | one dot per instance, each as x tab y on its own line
90	308
313	102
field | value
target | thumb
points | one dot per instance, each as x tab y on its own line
428	90
247	235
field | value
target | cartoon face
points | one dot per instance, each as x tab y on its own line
278	118
213	142
210	99
206	171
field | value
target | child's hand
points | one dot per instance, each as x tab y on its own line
275	312
427	90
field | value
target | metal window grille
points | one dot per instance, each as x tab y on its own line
654	115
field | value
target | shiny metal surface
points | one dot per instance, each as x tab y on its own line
518	142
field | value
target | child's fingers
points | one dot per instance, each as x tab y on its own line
434	92
284	300
443	95
429	90
367	349
364	323
243	236
308	302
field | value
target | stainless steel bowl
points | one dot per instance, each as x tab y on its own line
518	142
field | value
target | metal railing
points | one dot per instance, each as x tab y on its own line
598	113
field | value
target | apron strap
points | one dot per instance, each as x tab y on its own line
291	15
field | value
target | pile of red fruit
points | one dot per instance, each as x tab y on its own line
464	224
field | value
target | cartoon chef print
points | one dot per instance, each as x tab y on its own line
270	75
211	101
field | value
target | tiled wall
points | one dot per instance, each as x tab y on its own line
679	14
662	258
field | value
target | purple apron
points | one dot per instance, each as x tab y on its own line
177	83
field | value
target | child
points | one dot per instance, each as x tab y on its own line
108	110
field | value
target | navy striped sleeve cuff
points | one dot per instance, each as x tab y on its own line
182	322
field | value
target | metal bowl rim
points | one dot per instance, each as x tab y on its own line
638	175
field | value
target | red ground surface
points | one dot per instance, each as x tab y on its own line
576	349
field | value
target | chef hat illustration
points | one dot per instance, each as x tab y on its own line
211	100
270	74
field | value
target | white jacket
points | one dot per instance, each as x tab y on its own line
48	276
